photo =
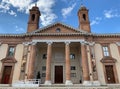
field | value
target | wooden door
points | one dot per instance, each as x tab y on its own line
110	74
6	75
58	74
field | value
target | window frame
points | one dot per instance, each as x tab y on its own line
106	52
8	51
72	56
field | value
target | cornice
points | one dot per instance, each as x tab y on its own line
58	34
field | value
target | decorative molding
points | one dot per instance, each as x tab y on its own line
9	60
118	43
87	43
29	43
108	60
65	40
49	43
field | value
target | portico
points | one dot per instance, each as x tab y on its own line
66	56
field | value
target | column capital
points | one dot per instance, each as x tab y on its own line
29	43
87	43
49	43
67	42
91	43
118	43
0	43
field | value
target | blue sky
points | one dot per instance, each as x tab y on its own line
104	15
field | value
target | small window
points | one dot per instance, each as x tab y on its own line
58	30
105	51
43	74
11	51
73	68
84	17
73	74
72	56
44	56
33	17
43	68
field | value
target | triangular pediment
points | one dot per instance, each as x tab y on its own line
58	28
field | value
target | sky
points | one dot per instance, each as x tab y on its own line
104	15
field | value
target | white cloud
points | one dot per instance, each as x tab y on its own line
19	29
68	10
47	15
111	13
96	21
11	12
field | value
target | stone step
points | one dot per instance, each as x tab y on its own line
56	88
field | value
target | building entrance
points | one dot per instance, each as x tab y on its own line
110	74
58	74
6	74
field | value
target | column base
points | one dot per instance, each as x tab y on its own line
91	83
47	83
68	82
96	83
87	83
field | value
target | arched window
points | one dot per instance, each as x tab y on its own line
33	17
84	17
58	30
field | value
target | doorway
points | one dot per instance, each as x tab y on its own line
6	75
110	74
58	74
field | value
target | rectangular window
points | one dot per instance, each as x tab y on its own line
72	56
11	51
73	74
43	68
43	74
73	68
44	56
106	51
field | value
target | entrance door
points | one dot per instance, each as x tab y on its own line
58	74
110	74
6	74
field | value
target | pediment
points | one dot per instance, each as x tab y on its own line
108	60
58	28
9	60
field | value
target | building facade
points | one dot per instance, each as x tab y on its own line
60	54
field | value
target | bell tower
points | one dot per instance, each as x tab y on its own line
84	23
33	22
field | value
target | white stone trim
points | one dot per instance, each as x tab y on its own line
65	40
49	43
68	82
118	43
29	43
87	83
47	83
91	83
96	83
